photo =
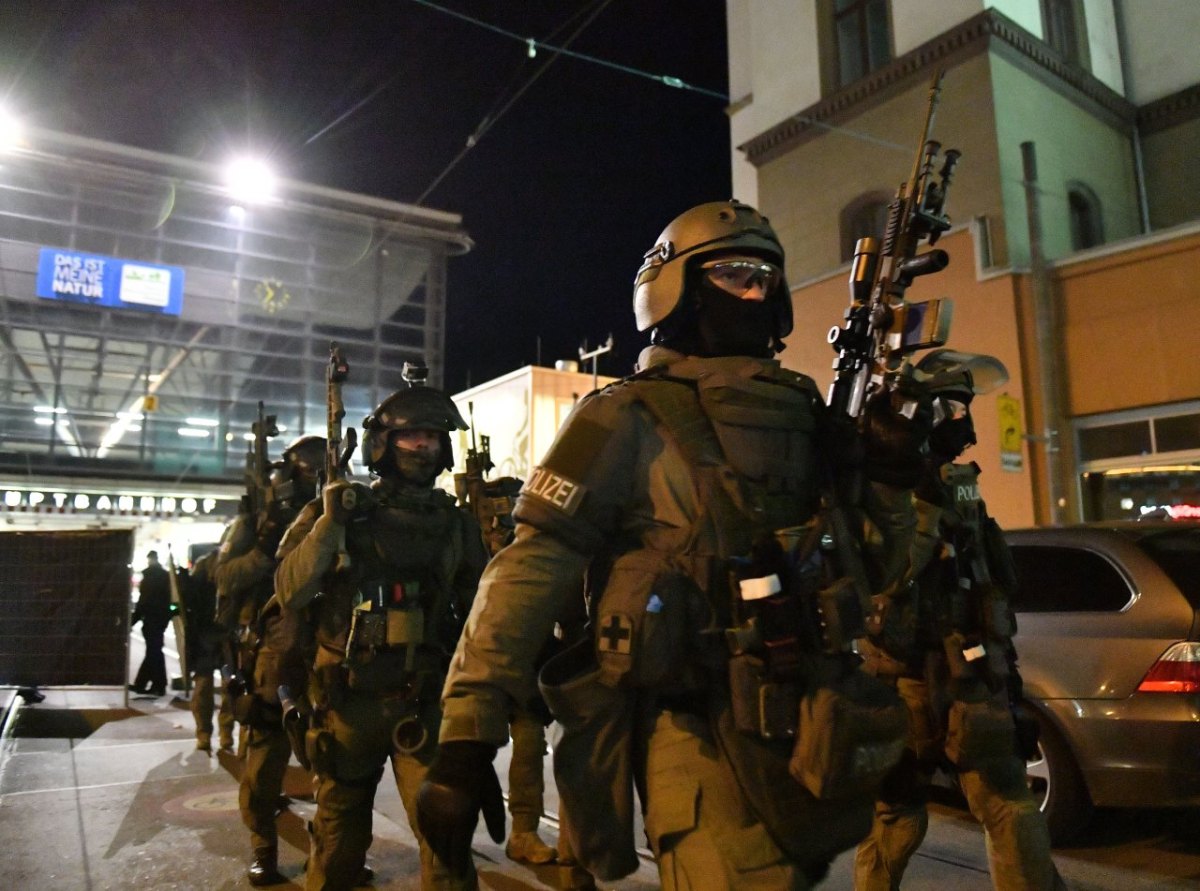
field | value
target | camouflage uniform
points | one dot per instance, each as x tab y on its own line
669	497
946	643
423	555
206	652
245	580
616	484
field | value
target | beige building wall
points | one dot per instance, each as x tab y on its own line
1072	144
804	191
1130	319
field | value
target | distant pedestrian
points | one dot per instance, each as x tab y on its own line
153	610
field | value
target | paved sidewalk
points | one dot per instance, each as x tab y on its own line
98	791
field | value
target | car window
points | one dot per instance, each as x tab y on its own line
1178	553
1057	579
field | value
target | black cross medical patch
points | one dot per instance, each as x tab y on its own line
616	634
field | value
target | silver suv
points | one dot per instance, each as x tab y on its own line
1109	646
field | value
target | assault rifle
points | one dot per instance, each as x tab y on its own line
337	455
880	327
490	501
258	466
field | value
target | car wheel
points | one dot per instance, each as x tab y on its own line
1057	785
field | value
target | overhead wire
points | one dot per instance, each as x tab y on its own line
490	118
557	51
533	45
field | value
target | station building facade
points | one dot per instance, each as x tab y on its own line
146	313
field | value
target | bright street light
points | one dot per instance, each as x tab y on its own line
250	180
11	130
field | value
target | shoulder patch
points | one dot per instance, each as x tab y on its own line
615	634
554	489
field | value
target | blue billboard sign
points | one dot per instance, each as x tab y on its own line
108	281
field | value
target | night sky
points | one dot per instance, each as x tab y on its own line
573	180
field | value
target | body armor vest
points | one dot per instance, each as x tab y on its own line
392	616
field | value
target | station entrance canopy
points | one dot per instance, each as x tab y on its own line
144	314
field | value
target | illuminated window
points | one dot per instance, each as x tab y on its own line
862	37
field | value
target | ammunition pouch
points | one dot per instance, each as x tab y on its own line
593	760
296	726
978	732
1028	731
327	687
811	831
374	629
761	707
853	730
649	623
262	713
318	751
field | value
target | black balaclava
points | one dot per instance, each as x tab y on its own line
952	437
712	322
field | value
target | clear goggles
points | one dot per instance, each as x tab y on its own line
739	276
946	408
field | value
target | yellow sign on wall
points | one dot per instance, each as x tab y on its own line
1009	410
150	403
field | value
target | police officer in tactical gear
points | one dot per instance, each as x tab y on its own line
946	643
654	491
270	646
387	574
206	648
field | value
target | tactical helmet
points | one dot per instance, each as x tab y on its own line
415	408
719	226
970	374
305	457
294	476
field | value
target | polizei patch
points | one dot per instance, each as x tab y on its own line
557	491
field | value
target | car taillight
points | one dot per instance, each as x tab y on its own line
1176	671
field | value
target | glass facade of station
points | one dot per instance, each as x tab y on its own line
144	314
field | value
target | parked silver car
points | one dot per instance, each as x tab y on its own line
1109	648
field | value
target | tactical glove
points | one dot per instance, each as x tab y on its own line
461	782
898	423
343	500
270	530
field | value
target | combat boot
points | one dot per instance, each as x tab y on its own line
527	847
204	742
265	868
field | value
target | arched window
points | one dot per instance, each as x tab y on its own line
865	216
1087	227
